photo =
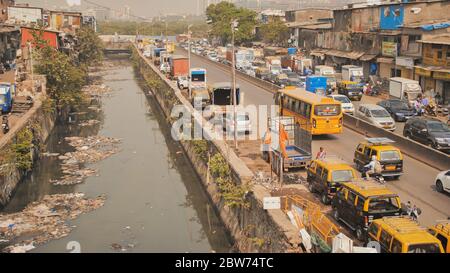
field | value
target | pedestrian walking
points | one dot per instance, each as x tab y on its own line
321	154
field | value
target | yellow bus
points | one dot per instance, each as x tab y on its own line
318	114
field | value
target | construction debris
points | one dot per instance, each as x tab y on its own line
44	220
87	151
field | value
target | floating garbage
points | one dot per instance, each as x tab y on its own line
44	220
90	122
87	151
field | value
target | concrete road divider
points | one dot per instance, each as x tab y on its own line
418	151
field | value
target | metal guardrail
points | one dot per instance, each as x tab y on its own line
416	150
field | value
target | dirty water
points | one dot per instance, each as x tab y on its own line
154	200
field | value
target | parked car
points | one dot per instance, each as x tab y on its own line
347	105
243	123
213	57
359	203
443	181
428	131
182	82
376	115
400	110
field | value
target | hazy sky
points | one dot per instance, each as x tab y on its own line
138	7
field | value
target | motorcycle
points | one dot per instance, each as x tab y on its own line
5	125
376	176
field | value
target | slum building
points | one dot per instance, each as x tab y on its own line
382	38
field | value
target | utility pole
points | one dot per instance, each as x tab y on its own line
30	51
189	62
234	25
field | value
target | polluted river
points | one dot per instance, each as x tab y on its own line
146	196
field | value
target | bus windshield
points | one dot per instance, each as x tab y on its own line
424	248
383	204
198	77
327	110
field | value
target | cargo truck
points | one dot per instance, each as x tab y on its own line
7	91
156	55
352	73
274	65
179	66
297	153
317	85
404	89
329	73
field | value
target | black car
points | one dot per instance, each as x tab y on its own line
399	110
428	131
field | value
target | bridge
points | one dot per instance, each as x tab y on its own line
117	48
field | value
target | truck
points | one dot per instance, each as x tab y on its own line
170	47
330	74
404	89
298	146
316	84
273	63
165	62
303	66
156	55
179	66
7	91
352	73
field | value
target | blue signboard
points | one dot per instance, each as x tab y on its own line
391	17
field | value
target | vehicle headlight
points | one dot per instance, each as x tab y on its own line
440	140
400	114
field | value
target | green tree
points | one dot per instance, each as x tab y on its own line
89	47
64	80
221	15
275	32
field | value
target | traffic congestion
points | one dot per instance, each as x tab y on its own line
360	185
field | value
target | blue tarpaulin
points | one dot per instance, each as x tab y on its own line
435	26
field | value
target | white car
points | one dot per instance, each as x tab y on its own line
376	115
182	82
443	181
244	124
347	105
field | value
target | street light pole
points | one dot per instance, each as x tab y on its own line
233	75
189	62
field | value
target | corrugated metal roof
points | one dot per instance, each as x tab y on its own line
354	55
443	39
368	57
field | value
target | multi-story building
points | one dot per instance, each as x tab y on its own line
380	37
434	72
4	4
66	21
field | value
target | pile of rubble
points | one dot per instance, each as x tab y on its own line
87	151
45	220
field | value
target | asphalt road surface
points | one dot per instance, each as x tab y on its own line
417	183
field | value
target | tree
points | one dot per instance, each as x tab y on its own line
64	80
89	47
221	15
275	32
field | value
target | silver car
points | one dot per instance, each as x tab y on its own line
376	115
243	123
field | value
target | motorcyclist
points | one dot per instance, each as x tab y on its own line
374	167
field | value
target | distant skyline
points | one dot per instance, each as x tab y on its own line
151	8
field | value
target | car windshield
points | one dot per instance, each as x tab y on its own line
342	176
424	248
389	155
327	110
401	105
437	127
240	117
379	113
342	99
383	204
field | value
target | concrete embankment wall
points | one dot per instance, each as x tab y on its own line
252	228
418	151
40	123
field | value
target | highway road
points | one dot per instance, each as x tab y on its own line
416	185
